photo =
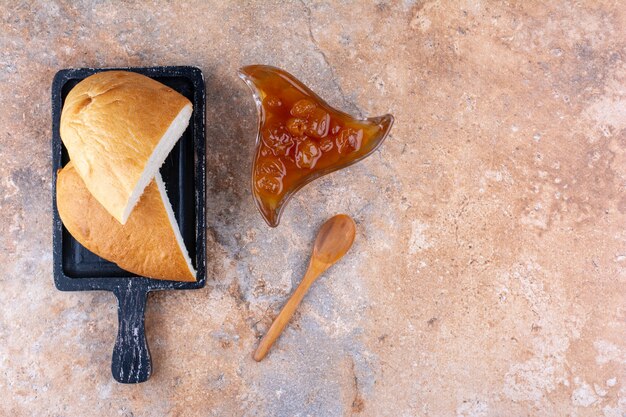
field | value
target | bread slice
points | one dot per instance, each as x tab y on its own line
118	128
149	244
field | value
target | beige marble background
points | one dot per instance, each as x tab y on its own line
489	273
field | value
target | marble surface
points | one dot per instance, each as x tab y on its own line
488	277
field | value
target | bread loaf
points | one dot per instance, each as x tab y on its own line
149	244
118	128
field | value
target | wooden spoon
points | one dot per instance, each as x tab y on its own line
332	242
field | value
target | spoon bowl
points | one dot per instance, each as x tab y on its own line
334	239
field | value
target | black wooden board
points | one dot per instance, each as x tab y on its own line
184	173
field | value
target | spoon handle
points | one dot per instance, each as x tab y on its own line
277	327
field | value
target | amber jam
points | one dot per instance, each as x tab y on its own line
301	137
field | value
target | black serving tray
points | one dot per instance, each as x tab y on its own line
184	174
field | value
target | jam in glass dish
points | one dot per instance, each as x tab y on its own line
301	138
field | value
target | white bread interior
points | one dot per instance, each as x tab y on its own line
163	148
173	223
149	244
118	128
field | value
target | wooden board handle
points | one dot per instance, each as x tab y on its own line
131	362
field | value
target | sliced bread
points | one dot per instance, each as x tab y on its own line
118	128
149	244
